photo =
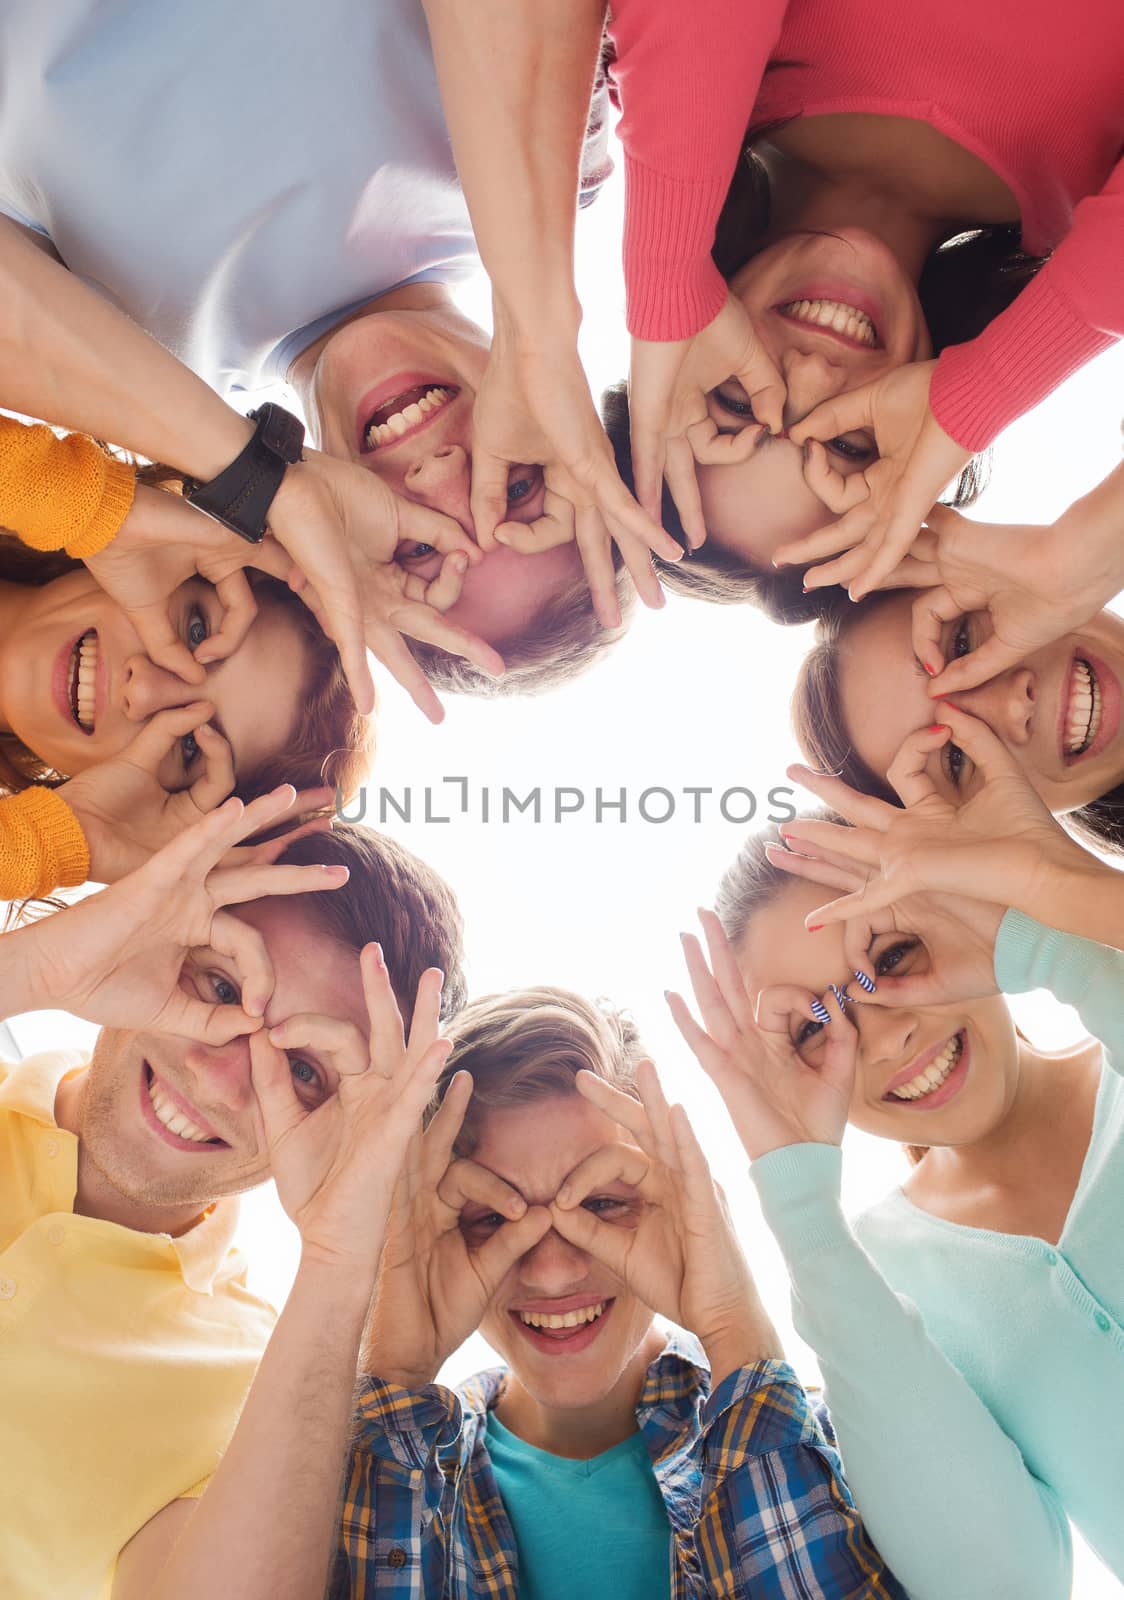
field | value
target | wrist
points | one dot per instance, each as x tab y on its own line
345	1284
533	325
729	1351
384	1359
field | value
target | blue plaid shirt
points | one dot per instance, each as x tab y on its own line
754	1492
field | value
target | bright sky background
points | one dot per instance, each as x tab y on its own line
696	696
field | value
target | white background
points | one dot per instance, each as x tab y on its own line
696	695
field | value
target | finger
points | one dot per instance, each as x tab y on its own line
425	1019
838	492
679	470
862	810
341	1041
709	1055
842	571
597	563
488	495
777	1005
618	507
420	621
445	1127
638	561
931	610
813	869
387	1035
246	948
443	592
648	448
421	524
872	897
897	536
977	740
386	645
465	1182
624	1109
725	968
655	1102
498	1254
533	538
841	414
162	644
840	1057
716	1016
272	1083
270	557
907	773
988	661
161	733
234	886
859	846
611	1163
829	540
766	389
604	1241
711	448
911	573
216	780
239	608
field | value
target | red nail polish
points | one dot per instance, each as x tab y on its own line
936	727
814	927
930	669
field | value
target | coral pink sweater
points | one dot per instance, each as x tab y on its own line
1037	96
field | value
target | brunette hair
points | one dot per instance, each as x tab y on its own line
527	1044
393	897
821	731
560	642
967	280
330	741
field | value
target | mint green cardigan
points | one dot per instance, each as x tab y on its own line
976	1379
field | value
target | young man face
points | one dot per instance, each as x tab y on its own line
393	390
169	1122
612	1340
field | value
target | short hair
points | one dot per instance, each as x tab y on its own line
392	897
527	1044
561	641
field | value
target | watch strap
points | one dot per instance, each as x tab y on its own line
241	495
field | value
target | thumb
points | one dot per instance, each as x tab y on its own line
991	658
488	495
162	643
161	733
272	1082
842	413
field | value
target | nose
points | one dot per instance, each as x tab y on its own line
552	1268
147	689
887	1034
441	480
221	1074
1006	704
811	377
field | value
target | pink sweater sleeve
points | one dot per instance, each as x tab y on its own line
1072	309
687	72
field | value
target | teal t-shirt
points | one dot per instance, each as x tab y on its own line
597	1528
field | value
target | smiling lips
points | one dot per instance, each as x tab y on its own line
563	1332
932	1075
171	1112
834	316
404	412
82	679
1084	709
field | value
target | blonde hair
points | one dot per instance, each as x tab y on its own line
528	1044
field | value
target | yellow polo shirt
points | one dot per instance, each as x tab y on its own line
124	1357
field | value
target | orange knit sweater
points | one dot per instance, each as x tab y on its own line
56	494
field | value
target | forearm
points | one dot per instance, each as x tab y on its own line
902	1411
1087	973
1086	900
69	357
287	1452
1089	537
516	78
743	1343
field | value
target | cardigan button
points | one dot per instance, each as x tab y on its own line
8	1288
1102	1322
1052	1258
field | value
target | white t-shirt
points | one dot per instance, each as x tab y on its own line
237	175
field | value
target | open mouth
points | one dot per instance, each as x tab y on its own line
174	1121
834	316
81	680
932	1077
1084	709
558	1332
405	412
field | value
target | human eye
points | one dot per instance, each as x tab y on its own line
522	483
476	1229
416	551
196	628
606	1205
223	991
307	1079
901	956
857	447
189	750
734	404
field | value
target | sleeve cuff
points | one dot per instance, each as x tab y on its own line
982	387
753	1412
799	1188
43	845
406	1425
117	497
673	288
1029	955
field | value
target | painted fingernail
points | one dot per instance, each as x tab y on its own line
864	982
929	668
936	727
820	1011
841	995
814	927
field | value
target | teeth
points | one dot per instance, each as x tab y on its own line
569	1319
833	314
173	1118
83	677
933	1075
1083	714
399	421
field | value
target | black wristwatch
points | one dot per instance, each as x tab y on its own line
241	495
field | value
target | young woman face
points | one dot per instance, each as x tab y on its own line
1058	711
834	312
70	628
927	1075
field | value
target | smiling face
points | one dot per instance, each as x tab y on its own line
171	1122
1058	711
570	1330
834	312
394	392
927	1075
76	685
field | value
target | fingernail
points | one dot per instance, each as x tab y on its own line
813	927
840	996
502	538
460	560
929	668
562	1197
380	960
936	727
820	1011
864	982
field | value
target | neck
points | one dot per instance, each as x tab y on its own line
581	1432
97	1197
301	375
806	198
1025	1140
